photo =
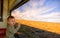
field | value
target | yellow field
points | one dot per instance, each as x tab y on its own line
48	26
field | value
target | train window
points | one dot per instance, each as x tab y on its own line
39	10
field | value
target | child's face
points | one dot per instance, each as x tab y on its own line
11	21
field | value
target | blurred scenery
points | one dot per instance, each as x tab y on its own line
41	18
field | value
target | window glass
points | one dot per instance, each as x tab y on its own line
39	10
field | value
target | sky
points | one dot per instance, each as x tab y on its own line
39	10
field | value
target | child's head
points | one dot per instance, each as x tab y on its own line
11	20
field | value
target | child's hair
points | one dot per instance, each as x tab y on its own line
10	17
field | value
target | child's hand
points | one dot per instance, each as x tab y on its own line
18	33
18	25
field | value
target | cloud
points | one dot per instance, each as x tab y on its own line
37	14
54	17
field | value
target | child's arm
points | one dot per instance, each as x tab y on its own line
14	30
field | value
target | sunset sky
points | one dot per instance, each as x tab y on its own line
39	10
